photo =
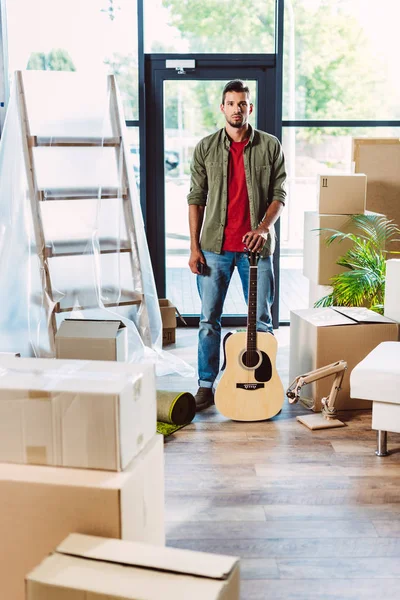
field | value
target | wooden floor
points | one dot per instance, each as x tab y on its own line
312	515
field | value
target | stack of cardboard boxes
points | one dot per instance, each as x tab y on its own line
78	453
80	457
339	196
320	336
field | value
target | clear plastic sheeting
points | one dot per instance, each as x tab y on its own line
72	239
75	170
67	104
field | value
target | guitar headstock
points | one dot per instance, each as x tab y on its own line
253	257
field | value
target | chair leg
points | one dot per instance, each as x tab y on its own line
381	439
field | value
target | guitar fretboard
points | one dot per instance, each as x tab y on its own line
252	311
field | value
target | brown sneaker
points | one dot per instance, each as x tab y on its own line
204	398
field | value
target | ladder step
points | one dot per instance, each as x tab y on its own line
80	247
81	142
69	302
82	194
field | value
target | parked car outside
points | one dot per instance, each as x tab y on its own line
171	161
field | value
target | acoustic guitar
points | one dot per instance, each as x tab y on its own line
250	388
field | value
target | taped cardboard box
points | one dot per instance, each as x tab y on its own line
320	336
40	506
88	339
319	260
119	570
168	317
88	414
342	194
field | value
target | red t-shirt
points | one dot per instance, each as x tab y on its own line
238	211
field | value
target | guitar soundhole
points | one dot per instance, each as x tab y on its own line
250	359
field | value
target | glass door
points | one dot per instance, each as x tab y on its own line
191	111
182	109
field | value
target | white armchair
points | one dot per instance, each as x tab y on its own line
377	378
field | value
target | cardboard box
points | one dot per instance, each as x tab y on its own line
319	260
341	194
117	570
321	336
168	317
88	339
88	414
392	290
379	159
40	506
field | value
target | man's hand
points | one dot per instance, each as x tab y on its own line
196	256
255	240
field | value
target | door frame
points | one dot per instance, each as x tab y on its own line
263	69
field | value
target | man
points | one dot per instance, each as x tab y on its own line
238	185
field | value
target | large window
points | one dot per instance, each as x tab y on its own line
94	36
207	26
340	81
340	61
307	156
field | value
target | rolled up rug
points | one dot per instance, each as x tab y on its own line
174	410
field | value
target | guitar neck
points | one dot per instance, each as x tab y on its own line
251	344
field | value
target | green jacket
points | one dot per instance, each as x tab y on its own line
265	177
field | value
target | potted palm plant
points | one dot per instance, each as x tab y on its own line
363	283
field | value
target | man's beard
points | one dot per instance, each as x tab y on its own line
237	124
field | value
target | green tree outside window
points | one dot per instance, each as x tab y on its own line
56	60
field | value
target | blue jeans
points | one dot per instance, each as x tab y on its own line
212	289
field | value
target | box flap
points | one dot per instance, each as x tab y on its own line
171	560
62	576
323	317
340	315
87	328
340	175
165	303
361	314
